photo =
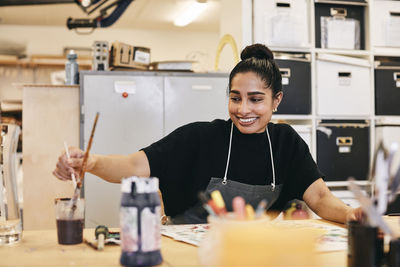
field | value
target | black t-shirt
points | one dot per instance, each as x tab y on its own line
186	159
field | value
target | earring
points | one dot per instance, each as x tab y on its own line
275	110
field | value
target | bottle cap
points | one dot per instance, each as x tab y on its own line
142	185
72	54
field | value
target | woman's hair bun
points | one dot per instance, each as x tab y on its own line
258	51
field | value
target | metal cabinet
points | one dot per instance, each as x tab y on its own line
194	98
137	109
131	117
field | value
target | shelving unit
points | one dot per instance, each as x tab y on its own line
33	69
371	47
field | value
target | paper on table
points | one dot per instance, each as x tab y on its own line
188	233
332	238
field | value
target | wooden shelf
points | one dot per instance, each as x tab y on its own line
347	52
49	61
335	2
386	51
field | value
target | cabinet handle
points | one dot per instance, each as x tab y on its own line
285	72
340	12
396	76
344	74
394	14
281	4
344	141
201	87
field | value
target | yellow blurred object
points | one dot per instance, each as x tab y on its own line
271	246
288	213
226	39
217	197
258	243
249	212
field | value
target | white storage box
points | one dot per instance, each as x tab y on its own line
386	26
343	85
281	23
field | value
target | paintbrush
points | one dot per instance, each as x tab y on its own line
77	191
69	157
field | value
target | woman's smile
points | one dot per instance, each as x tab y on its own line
247	121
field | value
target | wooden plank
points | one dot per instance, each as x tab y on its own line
50	117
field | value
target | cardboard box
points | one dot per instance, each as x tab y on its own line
127	56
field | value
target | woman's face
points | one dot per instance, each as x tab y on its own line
251	103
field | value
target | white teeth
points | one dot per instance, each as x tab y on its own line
247	120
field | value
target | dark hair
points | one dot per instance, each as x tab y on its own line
259	59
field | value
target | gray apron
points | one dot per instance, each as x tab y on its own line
229	189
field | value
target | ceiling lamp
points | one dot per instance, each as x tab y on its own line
192	11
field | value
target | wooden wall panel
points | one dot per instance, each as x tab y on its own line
50	117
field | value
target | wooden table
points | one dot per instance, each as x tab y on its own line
40	248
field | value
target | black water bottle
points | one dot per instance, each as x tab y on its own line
140	214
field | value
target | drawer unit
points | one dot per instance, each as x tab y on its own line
296	84
343	85
387	86
385	29
272	18
343	149
339	26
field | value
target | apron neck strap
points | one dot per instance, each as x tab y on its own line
272	160
229	155
270	150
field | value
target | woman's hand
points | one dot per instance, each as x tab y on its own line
355	214
65	167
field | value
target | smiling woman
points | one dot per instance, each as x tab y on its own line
245	156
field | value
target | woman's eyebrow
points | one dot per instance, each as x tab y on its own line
250	93
256	93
